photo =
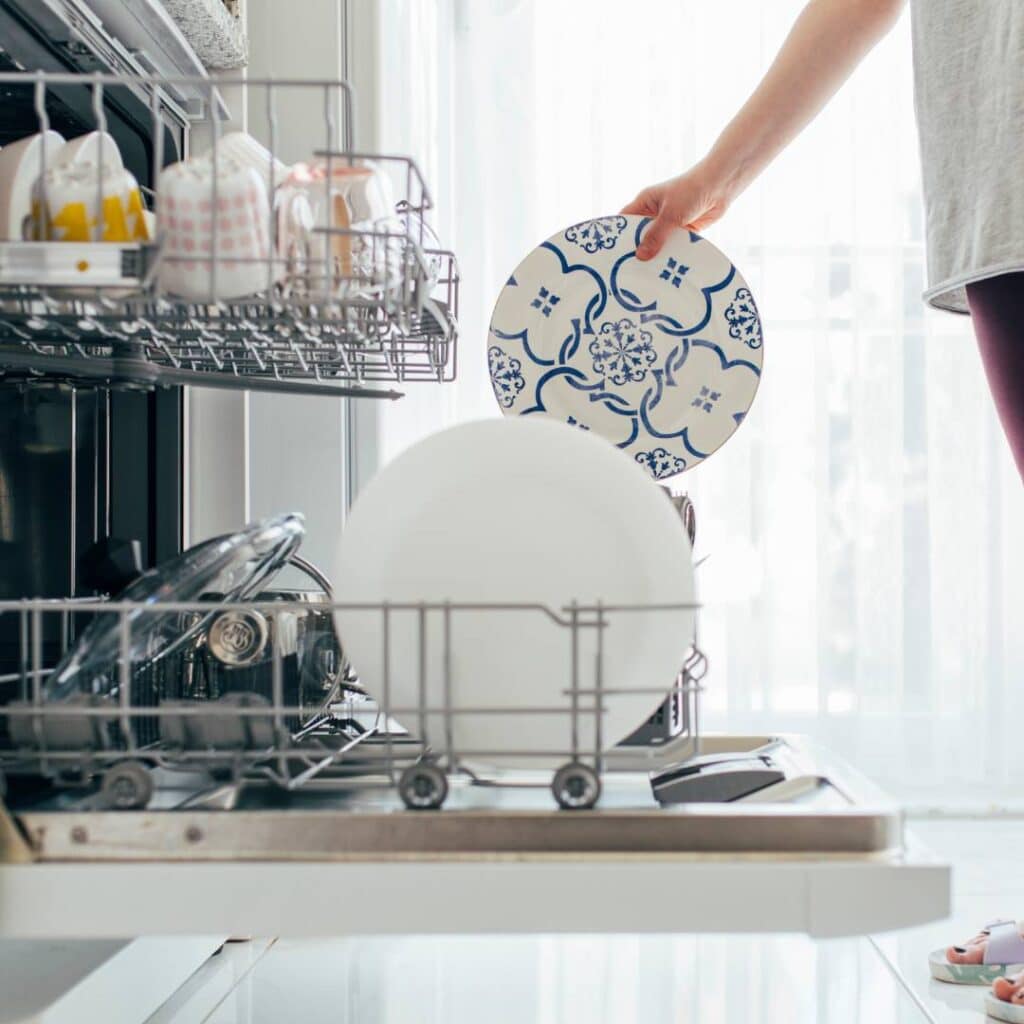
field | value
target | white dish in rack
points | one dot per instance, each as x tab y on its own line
508	511
20	165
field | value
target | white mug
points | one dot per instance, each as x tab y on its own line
243	245
243	148
67	206
91	148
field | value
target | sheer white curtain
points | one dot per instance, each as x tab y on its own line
866	574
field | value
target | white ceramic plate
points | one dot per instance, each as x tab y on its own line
515	511
662	358
19	167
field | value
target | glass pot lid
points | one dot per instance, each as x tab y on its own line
232	567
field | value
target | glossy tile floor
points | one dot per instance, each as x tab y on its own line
625	979
988	884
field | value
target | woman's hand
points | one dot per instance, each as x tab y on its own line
825	45
692	200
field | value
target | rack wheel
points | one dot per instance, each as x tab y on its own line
423	787
576	787
127	786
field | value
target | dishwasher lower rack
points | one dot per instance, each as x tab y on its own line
334	306
129	718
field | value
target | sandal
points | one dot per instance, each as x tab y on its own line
1002	1009
1004	954
999	1009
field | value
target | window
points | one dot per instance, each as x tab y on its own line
864	583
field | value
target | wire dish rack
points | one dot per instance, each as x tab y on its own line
103	312
115	730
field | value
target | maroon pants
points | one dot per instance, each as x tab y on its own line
997	312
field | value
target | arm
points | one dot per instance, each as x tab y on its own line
826	43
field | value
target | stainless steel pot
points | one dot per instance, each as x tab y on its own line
233	653
238	645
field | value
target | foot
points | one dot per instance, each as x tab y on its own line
971	952
1010	990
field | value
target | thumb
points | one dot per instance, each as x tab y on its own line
657	232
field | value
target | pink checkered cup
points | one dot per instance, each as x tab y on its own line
241	246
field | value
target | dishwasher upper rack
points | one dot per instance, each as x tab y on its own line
97	312
348	740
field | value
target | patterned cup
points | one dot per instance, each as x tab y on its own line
239	247
76	203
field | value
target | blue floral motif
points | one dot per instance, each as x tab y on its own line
706	399
573	422
506	378
674	272
622	351
744	323
546	301
601	233
660	463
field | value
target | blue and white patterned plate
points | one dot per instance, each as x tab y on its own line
662	358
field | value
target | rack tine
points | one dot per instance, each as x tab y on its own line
23	651
348	100
156	101
386	687
328	241
277	684
151	279
42	225
272	175
448	695
422	675
100	114
599	691
124	668
214	197
575	670
37	682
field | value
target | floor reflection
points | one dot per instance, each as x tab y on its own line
622	979
568	979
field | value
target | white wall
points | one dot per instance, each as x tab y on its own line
253	455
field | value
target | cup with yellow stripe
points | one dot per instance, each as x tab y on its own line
75	203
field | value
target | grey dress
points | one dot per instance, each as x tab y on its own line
969	95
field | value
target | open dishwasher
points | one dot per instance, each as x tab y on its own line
227	757
221	771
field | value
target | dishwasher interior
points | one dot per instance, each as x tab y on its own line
234	728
